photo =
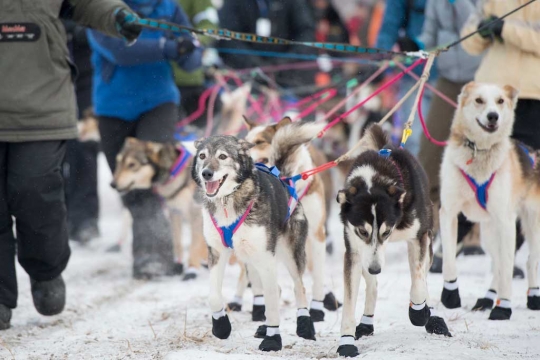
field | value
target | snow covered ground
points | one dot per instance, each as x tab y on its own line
111	316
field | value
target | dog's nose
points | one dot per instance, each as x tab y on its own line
492	117
374	269
207	174
113	184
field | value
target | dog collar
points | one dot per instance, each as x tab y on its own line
480	190
226	232
472	145
385	153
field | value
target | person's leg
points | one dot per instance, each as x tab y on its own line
8	279
152	238
113	132
35	191
526	125
81	190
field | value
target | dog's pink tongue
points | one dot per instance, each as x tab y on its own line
212	186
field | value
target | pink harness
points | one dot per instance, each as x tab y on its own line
227	232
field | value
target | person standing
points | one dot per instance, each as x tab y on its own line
135	95
37	115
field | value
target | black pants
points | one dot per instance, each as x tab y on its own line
81	177
152	237
189	103
32	192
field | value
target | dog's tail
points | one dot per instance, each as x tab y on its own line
374	138
289	138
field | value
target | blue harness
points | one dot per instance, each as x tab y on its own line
227	232
528	153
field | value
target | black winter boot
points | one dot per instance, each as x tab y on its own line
49	296
5	317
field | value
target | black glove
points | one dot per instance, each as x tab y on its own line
185	46
407	44
127	26
492	30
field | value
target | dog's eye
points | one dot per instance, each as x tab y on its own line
500	101
222	157
386	234
131	166
479	101
202	156
361	232
259	142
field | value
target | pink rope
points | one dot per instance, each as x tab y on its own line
253	102
200	109
330	94
210	113
430	87
375	93
424	127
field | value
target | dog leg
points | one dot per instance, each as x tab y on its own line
450	294
419	257
318	246
531	227
259	309
365	328
241	285
503	233
266	268
221	326
486	303
176	228
352	269
198	251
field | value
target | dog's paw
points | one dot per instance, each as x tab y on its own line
450	298
330	302
533	302
271	343
500	313
305	328
260	333
437	326
316	315
234	306
363	330
483	304
221	328
258	313
419	316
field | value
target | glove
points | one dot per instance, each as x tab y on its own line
127	26
407	44
492	30
185	46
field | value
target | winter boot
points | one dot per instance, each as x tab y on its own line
5	317
49	296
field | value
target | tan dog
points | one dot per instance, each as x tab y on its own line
493	180
143	165
315	201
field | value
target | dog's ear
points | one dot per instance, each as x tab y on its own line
153	151
396	193
466	91
512	93
283	122
250	124
131	141
198	143
244	145
341	197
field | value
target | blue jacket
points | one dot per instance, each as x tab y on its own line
129	81
402	15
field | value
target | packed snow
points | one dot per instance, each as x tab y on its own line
111	316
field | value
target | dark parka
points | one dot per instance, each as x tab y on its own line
37	99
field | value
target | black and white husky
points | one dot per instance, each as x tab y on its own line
385	199
249	211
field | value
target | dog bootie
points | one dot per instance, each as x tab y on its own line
236	304
485	303
533	298
418	314
347	348
518	273
503	310
272	339
304	325
258	309
330	302
316	311
436	325
365	328
450	295
260	333
191	274
221	326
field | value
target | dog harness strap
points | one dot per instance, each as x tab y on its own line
287	182
528	153
227	232
481	190
180	163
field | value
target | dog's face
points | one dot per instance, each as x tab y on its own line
487	109
261	137
221	164
133	165
370	216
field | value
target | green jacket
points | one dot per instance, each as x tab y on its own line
37	98
202	15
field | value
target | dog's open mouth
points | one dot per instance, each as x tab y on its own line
212	187
489	128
